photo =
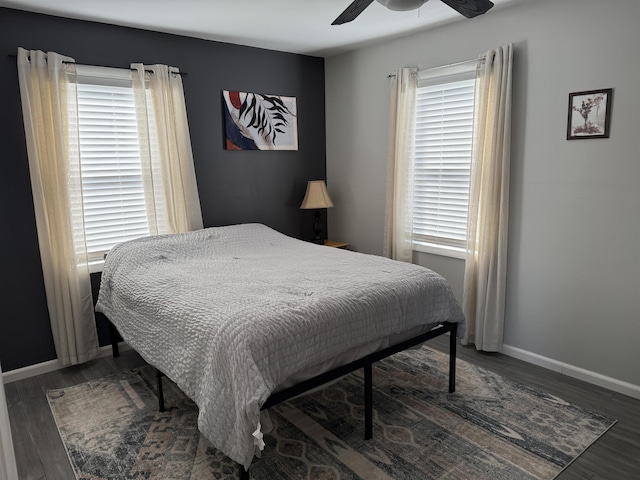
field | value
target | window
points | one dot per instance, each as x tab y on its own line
443	138
112	183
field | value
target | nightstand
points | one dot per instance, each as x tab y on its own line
334	244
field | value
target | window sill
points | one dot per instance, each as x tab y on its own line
95	266
439	250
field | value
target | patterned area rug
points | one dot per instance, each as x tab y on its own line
491	428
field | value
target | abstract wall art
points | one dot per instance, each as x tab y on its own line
254	121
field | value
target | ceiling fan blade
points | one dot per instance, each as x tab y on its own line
470	8
352	11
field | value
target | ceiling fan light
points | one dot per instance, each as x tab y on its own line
402	5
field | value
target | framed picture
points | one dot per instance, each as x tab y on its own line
589	114
255	121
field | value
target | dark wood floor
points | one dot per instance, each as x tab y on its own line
616	456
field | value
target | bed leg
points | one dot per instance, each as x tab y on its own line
453	334
160	391
244	474
368	401
113	333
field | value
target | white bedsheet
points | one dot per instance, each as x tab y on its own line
229	313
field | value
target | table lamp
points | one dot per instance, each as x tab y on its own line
316	198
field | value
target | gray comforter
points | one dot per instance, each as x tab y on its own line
228	313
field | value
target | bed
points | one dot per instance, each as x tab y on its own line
242	317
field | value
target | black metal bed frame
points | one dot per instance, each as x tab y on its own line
365	362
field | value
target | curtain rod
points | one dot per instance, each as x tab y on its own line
446	66
13	55
106	66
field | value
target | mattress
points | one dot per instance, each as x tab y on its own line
231	314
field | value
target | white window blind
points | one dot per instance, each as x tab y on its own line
113	194
443	137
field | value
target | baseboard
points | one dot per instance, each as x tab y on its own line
572	371
50	366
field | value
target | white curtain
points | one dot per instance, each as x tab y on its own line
48	93
399	196
8	469
487	225
171	192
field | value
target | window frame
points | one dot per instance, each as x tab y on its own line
107	77
464	71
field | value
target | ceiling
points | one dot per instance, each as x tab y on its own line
297	26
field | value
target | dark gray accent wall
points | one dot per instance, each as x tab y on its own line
234	186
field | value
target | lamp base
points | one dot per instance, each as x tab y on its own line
317	229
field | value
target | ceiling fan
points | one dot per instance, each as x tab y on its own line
468	8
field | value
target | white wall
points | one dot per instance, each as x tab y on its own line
573	291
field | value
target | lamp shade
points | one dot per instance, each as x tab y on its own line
316	196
